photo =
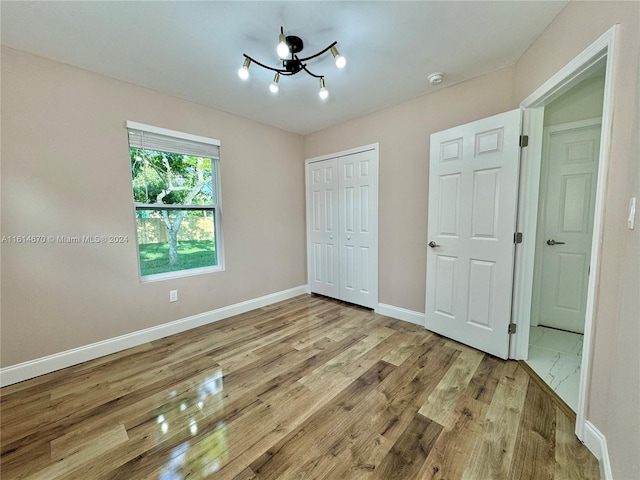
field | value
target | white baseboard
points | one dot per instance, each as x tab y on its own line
401	314
596	442
40	366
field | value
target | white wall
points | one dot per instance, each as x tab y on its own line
582	102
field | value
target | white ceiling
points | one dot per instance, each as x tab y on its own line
194	49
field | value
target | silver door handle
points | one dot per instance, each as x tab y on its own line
433	244
552	242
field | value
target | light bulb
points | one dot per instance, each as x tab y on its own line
274	85
243	71
283	48
340	60
323	93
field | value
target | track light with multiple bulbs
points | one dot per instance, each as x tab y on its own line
288	48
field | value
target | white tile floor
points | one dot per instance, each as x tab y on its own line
555	356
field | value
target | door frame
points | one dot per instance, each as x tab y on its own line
533	112
375	148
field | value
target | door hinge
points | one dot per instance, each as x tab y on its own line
524	141
517	237
512	328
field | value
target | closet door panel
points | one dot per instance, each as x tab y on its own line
322	227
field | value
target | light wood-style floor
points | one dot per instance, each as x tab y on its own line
307	388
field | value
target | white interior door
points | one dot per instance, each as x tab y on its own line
473	181
567	201
322	220
358	232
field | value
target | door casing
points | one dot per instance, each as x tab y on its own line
603	49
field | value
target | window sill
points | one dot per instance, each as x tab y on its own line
179	274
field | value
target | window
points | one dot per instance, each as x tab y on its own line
176	197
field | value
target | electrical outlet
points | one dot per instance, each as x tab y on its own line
173	295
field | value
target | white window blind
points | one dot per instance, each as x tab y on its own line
163	140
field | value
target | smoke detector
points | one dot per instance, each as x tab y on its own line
435	78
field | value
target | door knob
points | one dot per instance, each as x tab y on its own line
348	238
433	244
552	242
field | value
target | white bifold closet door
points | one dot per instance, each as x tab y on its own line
342	226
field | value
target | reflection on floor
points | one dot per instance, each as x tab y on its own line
555	356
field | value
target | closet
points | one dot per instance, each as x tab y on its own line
342	225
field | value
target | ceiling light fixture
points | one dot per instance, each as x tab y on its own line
288	48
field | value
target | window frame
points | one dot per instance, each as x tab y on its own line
215	206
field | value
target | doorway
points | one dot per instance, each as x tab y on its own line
584	66
566	200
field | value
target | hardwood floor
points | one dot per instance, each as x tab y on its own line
307	388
